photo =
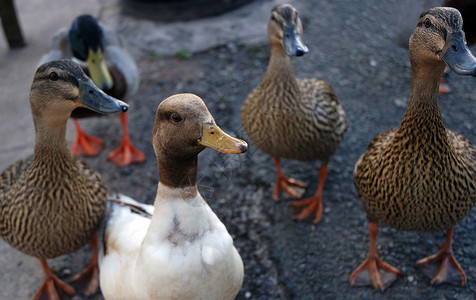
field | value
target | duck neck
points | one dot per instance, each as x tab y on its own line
50	143
423	119
179	217
177	171
186	195
280	67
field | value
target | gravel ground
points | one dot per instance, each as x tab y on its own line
352	46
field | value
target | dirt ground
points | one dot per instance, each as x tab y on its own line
353	46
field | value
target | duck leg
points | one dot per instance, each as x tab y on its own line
374	271
284	183
444	88
51	282
443	266
85	144
126	153
313	204
92	270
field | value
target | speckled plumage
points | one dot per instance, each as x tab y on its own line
298	119
51	205
295	119
421	176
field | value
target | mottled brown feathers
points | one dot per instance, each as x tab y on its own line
50	207
286	117
51	203
420	176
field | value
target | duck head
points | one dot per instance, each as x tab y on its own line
61	86
439	39
285	30
183	128
86	38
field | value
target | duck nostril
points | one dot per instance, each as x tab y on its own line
91	91
454	48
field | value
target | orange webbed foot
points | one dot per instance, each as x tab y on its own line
91	271
286	185
376	272
126	153
443	266
311	205
51	283
85	145
444	88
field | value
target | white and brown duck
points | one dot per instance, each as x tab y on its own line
177	248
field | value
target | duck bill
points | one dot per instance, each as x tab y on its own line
91	97
98	70
457	55
292	42
215	138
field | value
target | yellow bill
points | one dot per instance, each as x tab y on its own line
98	70
215	138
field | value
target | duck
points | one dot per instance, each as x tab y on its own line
176	248
297	119
421	176
111	68
52	203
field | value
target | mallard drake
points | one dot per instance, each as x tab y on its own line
421	176
298	119
52	204
178	248
111	68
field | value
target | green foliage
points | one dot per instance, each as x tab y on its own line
184	54
153	57
253	48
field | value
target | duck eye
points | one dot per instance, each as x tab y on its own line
53	76
176	117
427	23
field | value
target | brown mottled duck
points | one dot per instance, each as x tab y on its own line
421	176
51	203
298	119
111	68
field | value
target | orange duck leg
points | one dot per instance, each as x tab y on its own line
92	270
313	204
126	153
51	283
286	184
443	266
374	271
85	144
